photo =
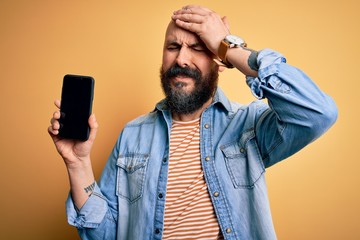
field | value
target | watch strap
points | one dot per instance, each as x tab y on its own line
223	48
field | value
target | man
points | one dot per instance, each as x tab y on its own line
194	167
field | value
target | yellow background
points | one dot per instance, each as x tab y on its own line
314	194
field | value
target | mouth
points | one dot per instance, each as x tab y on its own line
182	82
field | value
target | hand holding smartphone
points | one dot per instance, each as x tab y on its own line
76	106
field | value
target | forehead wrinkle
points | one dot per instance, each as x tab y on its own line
183	41
177	35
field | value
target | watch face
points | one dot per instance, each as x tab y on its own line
232	39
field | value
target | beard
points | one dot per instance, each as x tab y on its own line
183	102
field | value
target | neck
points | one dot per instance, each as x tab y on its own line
191	116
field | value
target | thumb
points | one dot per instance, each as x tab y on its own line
93	127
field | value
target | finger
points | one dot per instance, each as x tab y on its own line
189	17
52	131
196	9
191	9
56	115
93	127
226	22
186	25
57	103
55	124
190	12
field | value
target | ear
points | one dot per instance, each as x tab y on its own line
221	68
220	65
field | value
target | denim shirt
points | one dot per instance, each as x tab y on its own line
238	142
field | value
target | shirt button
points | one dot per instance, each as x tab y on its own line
216	194
160	195
228	230
164	160
206	125
157	231
207	158
242	150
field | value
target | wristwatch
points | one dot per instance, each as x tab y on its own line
230	41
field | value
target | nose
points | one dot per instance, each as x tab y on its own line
183	58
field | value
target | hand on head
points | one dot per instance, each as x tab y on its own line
208	25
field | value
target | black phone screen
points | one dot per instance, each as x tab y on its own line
76	106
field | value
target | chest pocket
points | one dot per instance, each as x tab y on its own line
131	174
243	162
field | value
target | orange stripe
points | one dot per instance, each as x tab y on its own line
188	209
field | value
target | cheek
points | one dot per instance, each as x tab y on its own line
167	60
206	65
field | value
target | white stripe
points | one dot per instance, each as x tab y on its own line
185	226
175	213
187	198
207	233
191	173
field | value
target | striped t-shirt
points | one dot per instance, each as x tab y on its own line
189	213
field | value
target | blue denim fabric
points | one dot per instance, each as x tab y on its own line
241	141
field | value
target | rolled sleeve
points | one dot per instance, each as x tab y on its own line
300	111
91	214
268	61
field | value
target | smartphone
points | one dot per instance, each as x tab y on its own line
76	105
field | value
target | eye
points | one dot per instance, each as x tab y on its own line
198	48
173	47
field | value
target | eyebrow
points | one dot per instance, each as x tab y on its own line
197	44
193	45
173	43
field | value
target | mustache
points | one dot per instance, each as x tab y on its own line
176	70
